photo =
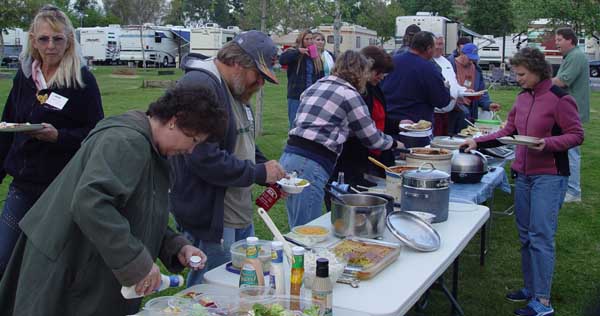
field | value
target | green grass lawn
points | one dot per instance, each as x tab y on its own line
482	289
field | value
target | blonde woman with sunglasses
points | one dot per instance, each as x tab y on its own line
55	94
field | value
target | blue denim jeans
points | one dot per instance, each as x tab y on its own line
16	205
537	201
293	106
574	187
307	205
217	253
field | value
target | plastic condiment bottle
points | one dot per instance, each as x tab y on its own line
166	281
269	197
297	270
252	272
322	289
276	277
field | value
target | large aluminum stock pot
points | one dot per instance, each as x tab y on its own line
426	190
359	215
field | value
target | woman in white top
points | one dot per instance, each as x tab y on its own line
326	56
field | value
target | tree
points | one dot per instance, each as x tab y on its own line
481	18
175	13
135	11
220	13
441	7
380	16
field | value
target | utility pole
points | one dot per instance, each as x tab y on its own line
260	94
337	25
143	48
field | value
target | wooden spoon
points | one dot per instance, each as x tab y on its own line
379	164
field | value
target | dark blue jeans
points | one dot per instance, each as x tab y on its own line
17	203
537	202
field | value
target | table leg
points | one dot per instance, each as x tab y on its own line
455	277
482	246
452	295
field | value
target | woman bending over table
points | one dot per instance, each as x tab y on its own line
330	111
546	112
104	220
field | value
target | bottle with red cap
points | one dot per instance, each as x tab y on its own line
269	197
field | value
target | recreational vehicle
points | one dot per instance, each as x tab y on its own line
450	29
156	45
208	39
352	36
13	41
101	45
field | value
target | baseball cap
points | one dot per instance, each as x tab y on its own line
470	50
261	49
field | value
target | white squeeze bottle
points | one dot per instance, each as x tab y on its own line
276	277
166	281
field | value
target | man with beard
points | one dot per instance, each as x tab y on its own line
212	187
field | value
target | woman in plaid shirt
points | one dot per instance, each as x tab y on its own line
330	111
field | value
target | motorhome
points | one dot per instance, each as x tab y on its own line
450	29
13	41
100	45
209	38
156	45
352	36
491	49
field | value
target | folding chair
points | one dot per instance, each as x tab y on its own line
497	77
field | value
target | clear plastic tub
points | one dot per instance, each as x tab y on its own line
238	253
293	304
169	306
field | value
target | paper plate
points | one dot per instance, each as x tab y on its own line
413	231
408	127
19	127
519	140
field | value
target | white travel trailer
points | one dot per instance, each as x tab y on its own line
491	48
100	44
353	37
156	45
435	24
208	39
13	41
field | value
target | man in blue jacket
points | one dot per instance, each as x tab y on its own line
212	187
413	89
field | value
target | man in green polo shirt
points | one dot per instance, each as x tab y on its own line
573	75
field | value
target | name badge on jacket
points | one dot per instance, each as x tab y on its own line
57	101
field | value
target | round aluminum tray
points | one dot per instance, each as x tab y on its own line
413	231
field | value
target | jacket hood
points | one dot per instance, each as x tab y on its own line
135	120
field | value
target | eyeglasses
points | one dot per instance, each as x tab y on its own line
58	40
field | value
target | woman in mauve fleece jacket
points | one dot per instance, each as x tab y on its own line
544	111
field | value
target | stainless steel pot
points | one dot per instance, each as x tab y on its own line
468	167
389	206
360	215
426	190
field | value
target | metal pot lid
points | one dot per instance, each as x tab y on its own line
448	140
413	231
426	177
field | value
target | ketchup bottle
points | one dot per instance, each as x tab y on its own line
269	197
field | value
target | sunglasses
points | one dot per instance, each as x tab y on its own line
57	40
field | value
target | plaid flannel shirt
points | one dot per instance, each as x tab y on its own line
330	111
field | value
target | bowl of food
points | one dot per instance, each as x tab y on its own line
238	253
293	185
216	304
314	232
282	306
169	305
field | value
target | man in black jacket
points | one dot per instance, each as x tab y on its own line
212	187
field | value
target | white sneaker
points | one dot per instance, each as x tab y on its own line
570	198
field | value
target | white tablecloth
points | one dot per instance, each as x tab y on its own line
398	287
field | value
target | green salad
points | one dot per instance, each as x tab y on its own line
278	310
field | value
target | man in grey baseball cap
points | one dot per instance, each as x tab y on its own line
211	194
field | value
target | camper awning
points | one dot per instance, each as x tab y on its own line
183	34
468	31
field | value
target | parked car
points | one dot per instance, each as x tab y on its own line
595	68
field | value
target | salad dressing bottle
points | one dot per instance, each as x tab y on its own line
252	272
276	277
297	271
322	289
